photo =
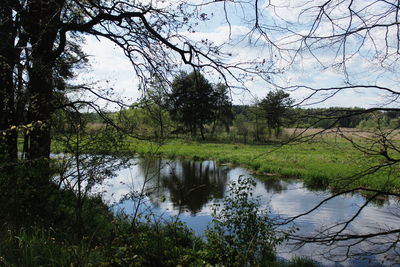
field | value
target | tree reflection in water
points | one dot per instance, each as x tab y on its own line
188	185
189	188
274	184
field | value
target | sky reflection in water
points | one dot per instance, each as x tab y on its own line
190	189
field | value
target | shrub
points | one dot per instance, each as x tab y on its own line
242	234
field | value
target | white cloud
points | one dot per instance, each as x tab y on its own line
219	35
109	63
110	68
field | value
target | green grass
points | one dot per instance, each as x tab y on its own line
320	163
324	162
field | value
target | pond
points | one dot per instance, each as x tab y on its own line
189	189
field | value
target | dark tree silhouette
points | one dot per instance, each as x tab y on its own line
37	33
194	102
275	106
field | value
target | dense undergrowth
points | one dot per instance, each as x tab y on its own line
46	226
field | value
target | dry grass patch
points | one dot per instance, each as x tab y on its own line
353	133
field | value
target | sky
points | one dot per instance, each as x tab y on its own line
110	67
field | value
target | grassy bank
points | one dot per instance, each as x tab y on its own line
323	162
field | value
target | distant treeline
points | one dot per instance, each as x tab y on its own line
328	117
194	107
248	124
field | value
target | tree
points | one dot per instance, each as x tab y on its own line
222	108
39	50
357	43
275	106
37	33
194	102
258	121
154	102
7	117
332	35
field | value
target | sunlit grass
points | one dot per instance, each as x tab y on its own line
328	161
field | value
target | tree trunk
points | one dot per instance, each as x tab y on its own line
42	35
202	132
40	85
8	139
161	122
214	127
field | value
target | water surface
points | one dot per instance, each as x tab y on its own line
189	189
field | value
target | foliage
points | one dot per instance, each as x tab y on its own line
194	102
154	103
38	56
301	262
241	123
75	228
242	234
155	244
276	105
107	239
149	117
242	127
327	161
222	108
143	121
377	120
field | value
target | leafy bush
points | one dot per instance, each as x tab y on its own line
242	234
301	262
154	244
36	246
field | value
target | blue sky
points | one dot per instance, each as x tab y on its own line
111	69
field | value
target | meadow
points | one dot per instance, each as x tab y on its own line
326	161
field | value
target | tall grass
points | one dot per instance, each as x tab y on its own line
326	162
